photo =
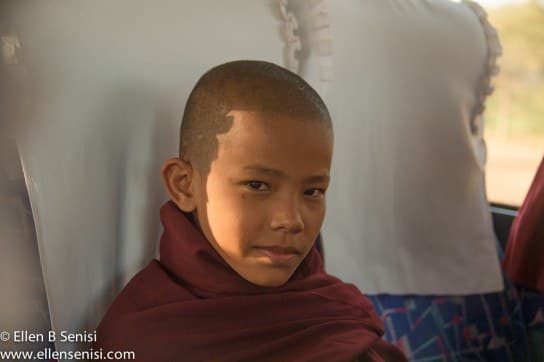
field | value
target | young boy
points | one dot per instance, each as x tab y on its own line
239	277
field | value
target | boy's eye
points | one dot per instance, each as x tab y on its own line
257	185
314	192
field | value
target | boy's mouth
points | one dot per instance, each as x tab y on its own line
279	255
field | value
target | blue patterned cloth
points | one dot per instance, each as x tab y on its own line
485	327
533	308
532	303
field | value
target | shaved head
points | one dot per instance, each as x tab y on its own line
254	86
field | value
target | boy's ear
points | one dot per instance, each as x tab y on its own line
178	178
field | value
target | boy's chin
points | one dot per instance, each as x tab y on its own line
268	278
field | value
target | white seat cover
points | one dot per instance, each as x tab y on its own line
407	210
110	81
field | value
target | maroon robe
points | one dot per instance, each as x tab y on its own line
524	256
192	306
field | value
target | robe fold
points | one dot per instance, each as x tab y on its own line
524	256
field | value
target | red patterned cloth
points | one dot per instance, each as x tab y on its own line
192	306
524	257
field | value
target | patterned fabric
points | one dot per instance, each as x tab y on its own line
533	307
479	327
532	303
486	327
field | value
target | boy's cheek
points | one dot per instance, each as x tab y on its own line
233	231
314	217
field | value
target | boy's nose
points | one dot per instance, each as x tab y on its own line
287	216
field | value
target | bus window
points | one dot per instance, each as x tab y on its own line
514	129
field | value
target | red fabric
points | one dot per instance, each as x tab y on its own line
192	306
524	257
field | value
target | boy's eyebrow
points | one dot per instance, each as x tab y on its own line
257	168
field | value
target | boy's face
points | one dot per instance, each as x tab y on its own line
262	204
